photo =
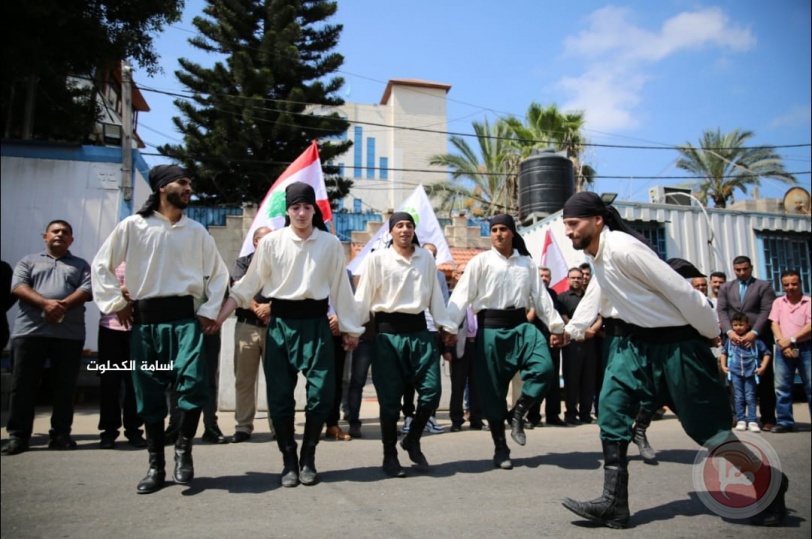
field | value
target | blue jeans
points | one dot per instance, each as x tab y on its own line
784	376
744	391
361	360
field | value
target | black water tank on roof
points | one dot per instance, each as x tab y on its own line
546	181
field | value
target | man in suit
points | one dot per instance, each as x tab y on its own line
754	297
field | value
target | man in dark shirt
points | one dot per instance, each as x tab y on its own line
52	287
580	359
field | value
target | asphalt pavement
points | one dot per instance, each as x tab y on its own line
90	492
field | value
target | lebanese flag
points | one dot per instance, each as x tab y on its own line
552	258
271	213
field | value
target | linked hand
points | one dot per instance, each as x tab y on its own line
125	316
349	342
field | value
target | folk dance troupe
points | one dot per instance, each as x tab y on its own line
176	290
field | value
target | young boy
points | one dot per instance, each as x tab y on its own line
744	366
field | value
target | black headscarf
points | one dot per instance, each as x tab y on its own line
160	176
588	204
397	217
302	193
684	268
518	241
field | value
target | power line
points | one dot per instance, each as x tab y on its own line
484	173
454	133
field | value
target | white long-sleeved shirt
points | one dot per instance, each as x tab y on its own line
287	267
491	281
162	259
393	283
645	290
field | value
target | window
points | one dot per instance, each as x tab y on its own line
357	148
371	158
341	169
356	205
340	204
784	251
654	233
384	168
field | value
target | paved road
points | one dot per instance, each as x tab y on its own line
91	493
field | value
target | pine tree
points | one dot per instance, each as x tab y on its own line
258	108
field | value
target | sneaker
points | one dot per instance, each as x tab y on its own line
62	442
406	424
432	427
741	425
752	427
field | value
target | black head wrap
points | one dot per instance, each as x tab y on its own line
518	241
302	193
588	204
399	216
684	268
160	176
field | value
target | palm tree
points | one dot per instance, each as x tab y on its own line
549	127
725	164
494	186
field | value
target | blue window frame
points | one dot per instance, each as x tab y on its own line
784	251
358	149
356	205
370	157
384	168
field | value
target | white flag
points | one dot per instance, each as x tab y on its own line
427	229
271	213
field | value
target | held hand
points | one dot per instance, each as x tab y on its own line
789	352
447	356
589	334
748	339
558	340
783	342
209	326
333	319
349	342
53	310
449	339
760	370
263	312
125	316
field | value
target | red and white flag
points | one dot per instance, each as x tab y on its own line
552	258
271	213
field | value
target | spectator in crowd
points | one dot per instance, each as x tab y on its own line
250	332
744	365
754	297
701	284
116	392
790	316
717	279
53	287
586	273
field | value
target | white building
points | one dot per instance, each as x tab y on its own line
388	157
708	237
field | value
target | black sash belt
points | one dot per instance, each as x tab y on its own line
400	322
501	318
162	310
299	309
615	327
619	328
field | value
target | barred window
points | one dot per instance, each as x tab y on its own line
654	233
785	251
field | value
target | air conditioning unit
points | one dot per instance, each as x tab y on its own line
678	196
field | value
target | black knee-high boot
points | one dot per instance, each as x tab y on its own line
287	446
184	466
612	508
516	419
640	439
156	475
389	437
411	442
501	453
307	459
